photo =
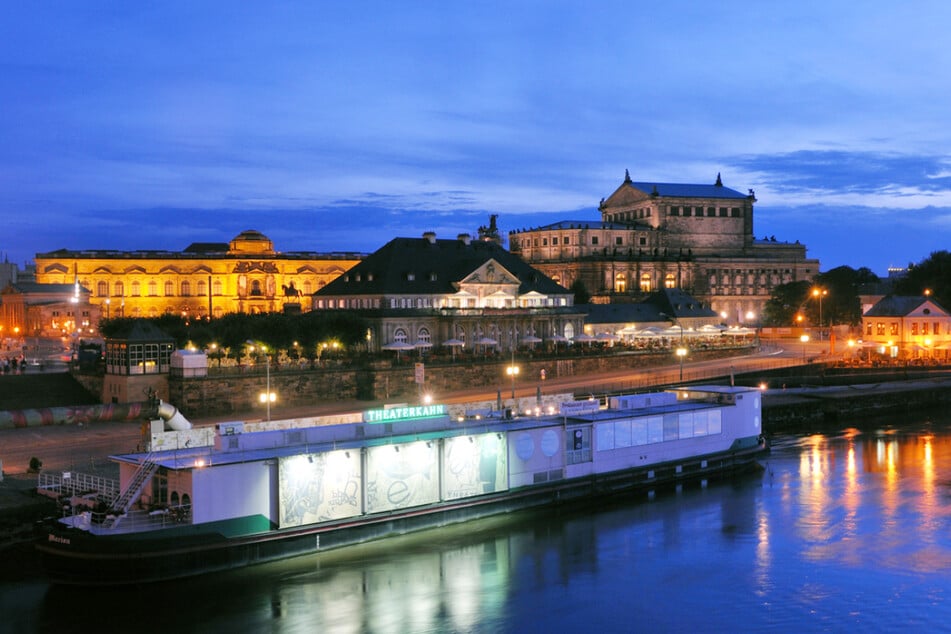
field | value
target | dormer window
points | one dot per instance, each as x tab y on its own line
369	277
432	277
410	277
356	277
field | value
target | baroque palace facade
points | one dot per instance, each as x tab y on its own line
244	275
698	238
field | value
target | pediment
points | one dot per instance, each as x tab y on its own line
626	195
490	272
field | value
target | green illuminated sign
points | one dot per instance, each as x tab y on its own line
403	413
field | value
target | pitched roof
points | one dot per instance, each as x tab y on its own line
430	267
900	305
622	313
582	224
678	304
686	190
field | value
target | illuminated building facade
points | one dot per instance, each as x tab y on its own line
423	292
907	327
29	309
244	275
698	238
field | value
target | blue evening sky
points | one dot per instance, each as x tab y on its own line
337	126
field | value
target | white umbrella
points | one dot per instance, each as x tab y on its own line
487	341
605	336
398	345
531	339
454	343
558	338
583	337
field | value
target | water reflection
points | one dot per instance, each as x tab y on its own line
842	530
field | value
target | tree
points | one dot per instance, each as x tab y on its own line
931	274
582	296
785	303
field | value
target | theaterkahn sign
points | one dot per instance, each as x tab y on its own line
394	414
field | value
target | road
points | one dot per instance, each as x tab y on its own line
85	448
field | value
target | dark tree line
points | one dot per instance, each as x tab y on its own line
277	331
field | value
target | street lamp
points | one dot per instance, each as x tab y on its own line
804	339
512	371
681	352
820	293
267	397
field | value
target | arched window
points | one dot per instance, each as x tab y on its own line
153	288
645	283
102	289
256	287
173	498
569	331
399	336
202	288
119	289
169	288
670	281
620	283
186	288
423	336
135	289
216	286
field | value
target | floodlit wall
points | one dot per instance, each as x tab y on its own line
536	455
234	490
319	487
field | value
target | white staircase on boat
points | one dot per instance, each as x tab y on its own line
132	492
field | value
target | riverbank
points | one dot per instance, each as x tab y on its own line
803	407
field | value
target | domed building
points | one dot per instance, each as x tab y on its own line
244	275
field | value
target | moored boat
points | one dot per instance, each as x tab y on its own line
249	494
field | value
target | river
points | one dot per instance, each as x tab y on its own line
845	529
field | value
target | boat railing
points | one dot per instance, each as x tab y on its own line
132	522
73	483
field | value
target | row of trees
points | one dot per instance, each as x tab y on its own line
278	331
839	290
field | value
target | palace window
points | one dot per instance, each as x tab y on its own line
169	288
135	289
594	240
645	283
618	240
216	285
186	288
670	281
893	328
201	287
399	336
102	289
119	290
620	283
153	288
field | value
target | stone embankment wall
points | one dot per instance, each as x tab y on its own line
222	394
798	409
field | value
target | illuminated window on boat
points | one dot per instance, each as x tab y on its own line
579	445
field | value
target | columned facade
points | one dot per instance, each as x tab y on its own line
652	236
245	275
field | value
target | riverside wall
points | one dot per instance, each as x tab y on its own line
803	408
236	391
